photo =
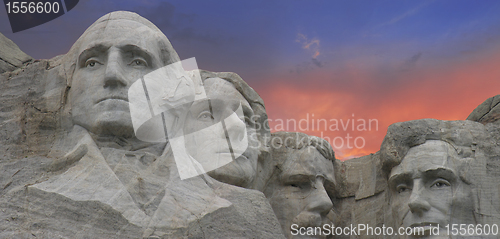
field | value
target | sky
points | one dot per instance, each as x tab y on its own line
353	66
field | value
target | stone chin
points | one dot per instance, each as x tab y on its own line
110	123
237	173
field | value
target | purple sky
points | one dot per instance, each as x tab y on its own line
258	38
358	52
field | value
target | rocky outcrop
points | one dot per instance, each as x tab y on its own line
361	192
71	188
59	180
11	57
487	112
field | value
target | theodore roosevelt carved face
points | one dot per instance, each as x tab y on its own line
299	191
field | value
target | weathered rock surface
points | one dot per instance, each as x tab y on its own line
487	112
11	57
56	186
302	184
361	193
364	197
29	210
473	155
30	100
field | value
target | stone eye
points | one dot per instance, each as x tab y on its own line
402	189
299	185
91	63
139	62
205	115
440	183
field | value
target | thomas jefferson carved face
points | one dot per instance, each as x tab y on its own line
112	56
216	142
297	194
426	189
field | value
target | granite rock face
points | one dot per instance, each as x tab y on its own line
229	87
302	184
371	190
72	167
11	57
64	178
465	150
487	112
361	193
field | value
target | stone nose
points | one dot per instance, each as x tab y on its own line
236	129
114	75
417	202
319	201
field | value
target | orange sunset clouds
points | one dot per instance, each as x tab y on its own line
358	92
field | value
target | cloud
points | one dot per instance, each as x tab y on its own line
309	44
312	46
355	91
406	14
414	58
411	62
316	62
312	42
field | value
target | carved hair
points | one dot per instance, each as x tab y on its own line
167	53
295	140
284	143
466	137
255	101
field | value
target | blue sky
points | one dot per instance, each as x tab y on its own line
361	53
250	36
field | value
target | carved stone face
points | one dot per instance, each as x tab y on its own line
113	55
211	143
426	188
298	194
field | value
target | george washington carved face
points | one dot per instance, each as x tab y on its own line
111	55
